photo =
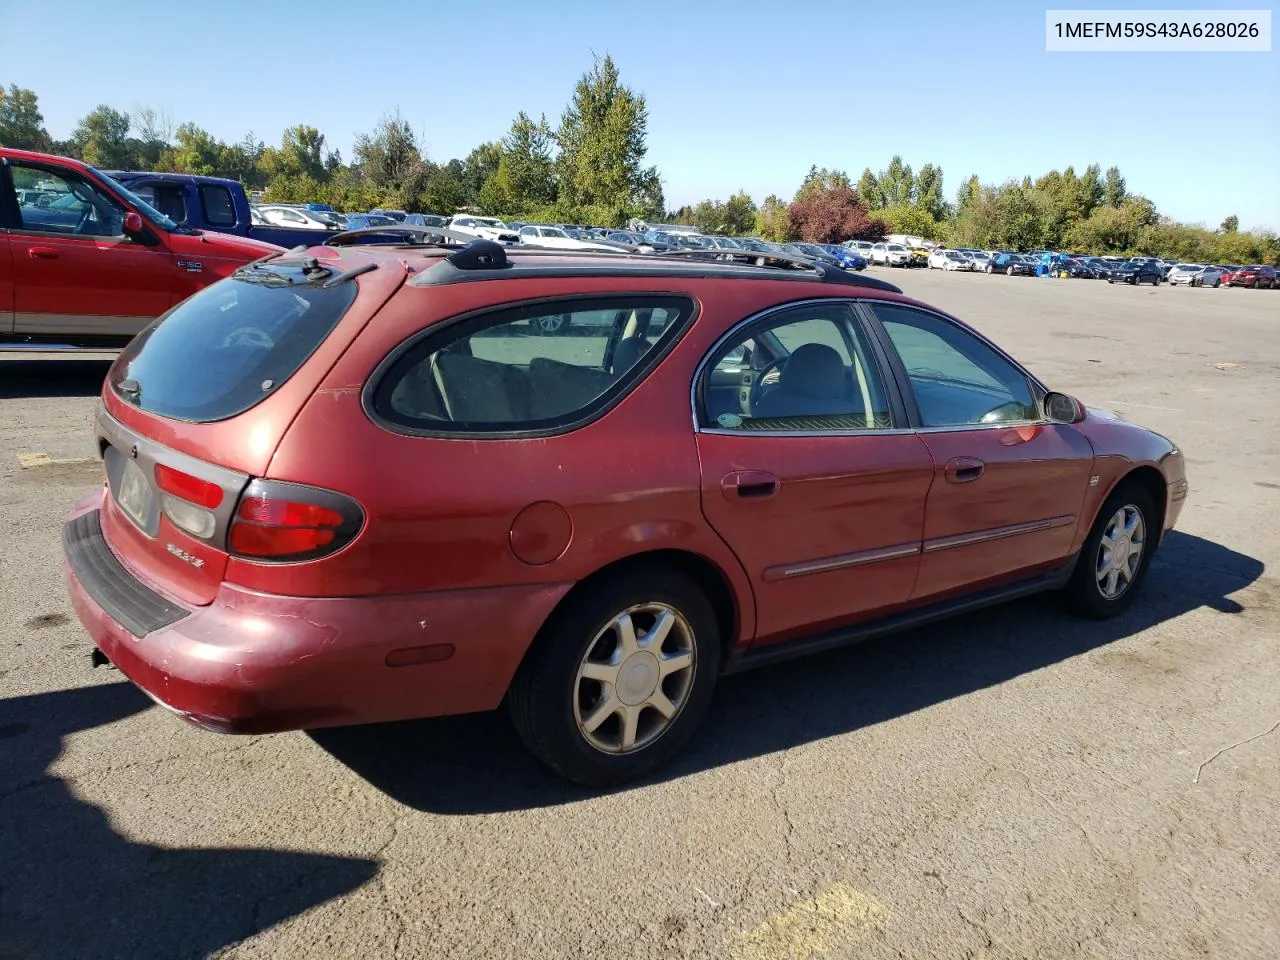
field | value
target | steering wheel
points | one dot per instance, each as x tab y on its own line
769	376
248	337
1000	414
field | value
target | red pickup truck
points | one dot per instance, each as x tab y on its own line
85	262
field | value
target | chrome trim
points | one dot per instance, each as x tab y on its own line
996	533
852	432
839	562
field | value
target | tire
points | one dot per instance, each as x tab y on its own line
551	701
1008	271
990	269
1084	594
551	325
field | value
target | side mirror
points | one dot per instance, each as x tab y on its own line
133	223
1062	408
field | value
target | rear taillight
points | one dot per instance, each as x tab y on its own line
188	501
279	521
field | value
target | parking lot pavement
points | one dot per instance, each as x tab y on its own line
1010	784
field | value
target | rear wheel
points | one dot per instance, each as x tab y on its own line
1114	559
619	677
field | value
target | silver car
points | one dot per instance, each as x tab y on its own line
1195	275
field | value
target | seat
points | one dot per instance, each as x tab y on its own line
813	382
557	388
628	353
481	391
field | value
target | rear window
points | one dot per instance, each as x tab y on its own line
542	367
231	345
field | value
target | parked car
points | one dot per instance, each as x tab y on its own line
950	260
397	215
85	262
1257	276
1010	264
1136	272
540	235
1195	275
251	581
847	258
286	216
487	228
811	250
213	204
890	255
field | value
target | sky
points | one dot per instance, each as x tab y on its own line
742	94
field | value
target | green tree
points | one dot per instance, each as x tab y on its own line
1092	192
197	151
528	164
897	182
100	138
301	154
819	179
446	189
481	163
928	192
869	191
603	141
772	222
968	195
739	214
389	160
1113	187
154	129
1230	225
21	123
911	220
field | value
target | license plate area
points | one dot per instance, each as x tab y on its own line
133	491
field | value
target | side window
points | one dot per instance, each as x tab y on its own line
956	378
171	201
803	368
219	210
63	203
533	367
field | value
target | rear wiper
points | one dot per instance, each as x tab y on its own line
131	390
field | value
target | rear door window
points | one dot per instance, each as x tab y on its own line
219	210
537	367
231	345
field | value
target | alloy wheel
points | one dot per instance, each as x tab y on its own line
1120	551
634	679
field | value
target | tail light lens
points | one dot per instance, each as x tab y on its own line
279	521
188	501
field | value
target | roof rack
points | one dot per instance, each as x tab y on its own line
758	258
348	237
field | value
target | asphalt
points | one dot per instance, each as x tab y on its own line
1011	784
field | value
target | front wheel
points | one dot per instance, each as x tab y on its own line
1114	559
619	677
989	268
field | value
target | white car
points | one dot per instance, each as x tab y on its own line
282	216
890	254
949	260
536	235
860	247
486	228
1195	275
980	259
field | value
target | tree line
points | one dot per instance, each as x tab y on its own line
590	168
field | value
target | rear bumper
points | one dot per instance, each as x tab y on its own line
257	663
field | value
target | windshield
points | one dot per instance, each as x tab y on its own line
553	232
489	222
896	246
144	208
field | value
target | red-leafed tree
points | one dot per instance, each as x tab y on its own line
833	215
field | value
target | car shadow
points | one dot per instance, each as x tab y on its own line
63	377
476	764
72	887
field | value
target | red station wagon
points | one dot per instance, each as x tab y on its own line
363	483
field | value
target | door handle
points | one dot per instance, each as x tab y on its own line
750	485
42	253
964	469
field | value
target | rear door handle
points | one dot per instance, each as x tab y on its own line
42	253
964	469
750	485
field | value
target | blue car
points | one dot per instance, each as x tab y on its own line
845	257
